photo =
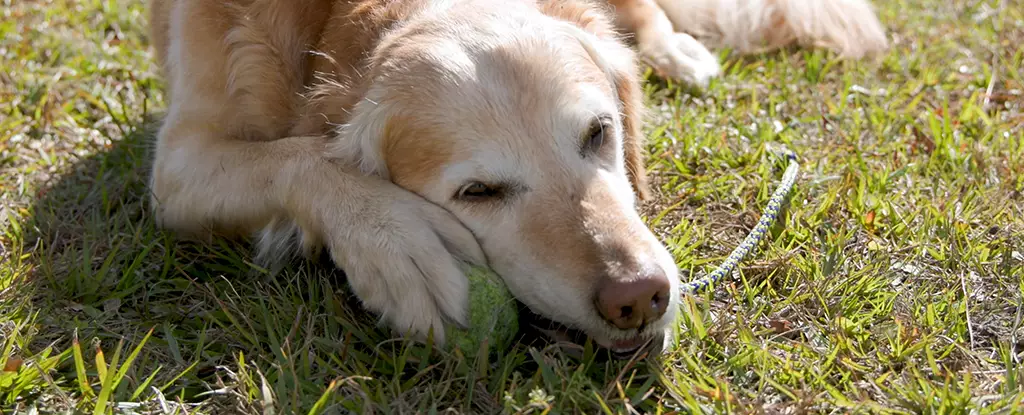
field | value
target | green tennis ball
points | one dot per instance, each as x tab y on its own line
493	315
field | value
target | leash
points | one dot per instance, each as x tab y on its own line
771	212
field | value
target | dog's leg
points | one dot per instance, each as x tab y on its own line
400	252
674	55
848	27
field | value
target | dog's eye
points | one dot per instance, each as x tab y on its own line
594	138
478	191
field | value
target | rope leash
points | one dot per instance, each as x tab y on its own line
771	212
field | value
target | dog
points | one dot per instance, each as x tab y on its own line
407	138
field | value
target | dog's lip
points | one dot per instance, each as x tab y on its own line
627	345
576	338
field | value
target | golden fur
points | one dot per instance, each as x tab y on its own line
353	126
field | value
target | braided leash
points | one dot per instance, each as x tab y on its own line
753	238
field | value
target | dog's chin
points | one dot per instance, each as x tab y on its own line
573	341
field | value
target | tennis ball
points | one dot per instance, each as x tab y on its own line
493	315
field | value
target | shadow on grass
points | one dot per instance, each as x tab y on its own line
227	335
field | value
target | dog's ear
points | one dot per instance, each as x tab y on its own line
357	143
593	28
627	85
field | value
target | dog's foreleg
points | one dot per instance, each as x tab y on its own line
399	251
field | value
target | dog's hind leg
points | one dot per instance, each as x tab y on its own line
848	27
671	54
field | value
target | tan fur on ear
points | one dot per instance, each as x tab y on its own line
622	65
628	86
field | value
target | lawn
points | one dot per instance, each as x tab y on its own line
893	282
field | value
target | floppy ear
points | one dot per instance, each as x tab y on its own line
357	143
627	84
592	27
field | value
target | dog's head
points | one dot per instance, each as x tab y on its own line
525	124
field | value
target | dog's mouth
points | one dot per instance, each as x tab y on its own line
572	341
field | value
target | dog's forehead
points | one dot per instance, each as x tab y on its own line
504	130
515	107
535	148
533	85
500	66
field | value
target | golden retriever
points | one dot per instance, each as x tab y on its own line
408	137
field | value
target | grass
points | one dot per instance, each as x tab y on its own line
893	283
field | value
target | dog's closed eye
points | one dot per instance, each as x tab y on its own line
479	192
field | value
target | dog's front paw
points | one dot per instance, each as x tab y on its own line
403	261
681	57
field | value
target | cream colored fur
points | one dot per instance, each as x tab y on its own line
848	27
352	126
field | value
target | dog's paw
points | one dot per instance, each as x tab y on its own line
403	261
681	57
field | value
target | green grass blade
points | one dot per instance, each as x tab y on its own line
108	385
83	380
131	358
